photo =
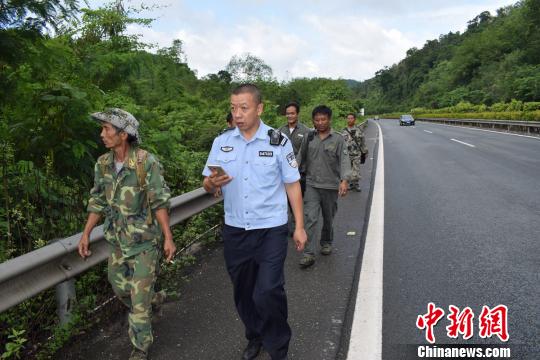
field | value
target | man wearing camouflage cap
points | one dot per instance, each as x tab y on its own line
131	194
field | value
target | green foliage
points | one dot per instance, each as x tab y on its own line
248	68
48	144
15	344
36	15
513	110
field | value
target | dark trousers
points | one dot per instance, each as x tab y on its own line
255	260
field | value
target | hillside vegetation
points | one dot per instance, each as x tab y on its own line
59	62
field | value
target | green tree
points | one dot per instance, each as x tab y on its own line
248	68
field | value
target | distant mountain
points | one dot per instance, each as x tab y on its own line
352	83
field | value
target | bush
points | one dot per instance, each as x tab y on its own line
497	107
531	106
515	105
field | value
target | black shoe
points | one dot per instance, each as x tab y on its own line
252	349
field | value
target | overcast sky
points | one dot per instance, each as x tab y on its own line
300	38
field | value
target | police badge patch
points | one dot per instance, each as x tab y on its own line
292	160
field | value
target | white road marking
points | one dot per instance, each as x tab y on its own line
491	131
366	331
428	131
464	143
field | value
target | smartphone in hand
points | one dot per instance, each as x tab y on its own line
217	168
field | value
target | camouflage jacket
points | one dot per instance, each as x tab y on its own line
356	144
125	202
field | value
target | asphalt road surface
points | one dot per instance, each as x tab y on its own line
462	228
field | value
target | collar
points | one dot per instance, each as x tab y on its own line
129	162
262	131
332	132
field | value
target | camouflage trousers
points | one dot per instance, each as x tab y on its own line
355	171
132	279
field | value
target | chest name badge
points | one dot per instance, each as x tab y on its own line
266	153
227	148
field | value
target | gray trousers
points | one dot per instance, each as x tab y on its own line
324	200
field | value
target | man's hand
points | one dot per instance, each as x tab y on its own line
93	219
84	251
169	249
343	188
218	192
300	238
217	181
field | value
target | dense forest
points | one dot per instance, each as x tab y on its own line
496	60
50	85
60	61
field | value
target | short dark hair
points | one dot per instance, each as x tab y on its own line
248	88
229	117
321	109
353	115
293	104
132	139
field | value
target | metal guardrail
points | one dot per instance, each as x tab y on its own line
525	127
26	276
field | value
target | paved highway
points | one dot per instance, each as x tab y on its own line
462	227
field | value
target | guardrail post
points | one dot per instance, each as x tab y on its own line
65	300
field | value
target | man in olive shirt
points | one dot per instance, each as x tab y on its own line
325	160
294	130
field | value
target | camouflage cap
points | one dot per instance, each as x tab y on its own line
120	119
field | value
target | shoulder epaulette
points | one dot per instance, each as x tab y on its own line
226	129
103	159
311	135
